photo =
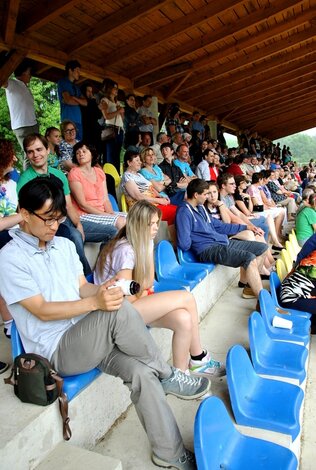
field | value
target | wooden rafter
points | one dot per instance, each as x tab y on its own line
111	23
175	87
37	17
225	33
11	64
165	74
170	30
283	131
9	22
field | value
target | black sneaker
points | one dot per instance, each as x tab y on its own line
185	386
3	367
184	462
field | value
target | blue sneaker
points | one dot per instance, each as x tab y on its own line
208	367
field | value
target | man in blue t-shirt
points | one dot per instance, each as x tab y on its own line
70	96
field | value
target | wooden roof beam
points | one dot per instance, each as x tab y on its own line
108	25
269	53
278	133
175	87
37	17
294	117
287	106
170	30
228	32
277	99
11	64
9	20
232	86
266	95
168	73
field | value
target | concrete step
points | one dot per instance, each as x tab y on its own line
68	457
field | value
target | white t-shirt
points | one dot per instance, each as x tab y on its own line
11	193
21	104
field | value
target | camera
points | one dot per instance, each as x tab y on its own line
128	287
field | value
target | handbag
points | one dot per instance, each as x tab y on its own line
109	132
35	381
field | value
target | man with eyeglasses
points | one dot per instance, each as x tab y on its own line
78	326
36	149
70	96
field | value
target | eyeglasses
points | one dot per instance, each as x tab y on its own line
51	221
69	131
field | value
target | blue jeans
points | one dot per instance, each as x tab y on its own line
112	150
260	222
93	233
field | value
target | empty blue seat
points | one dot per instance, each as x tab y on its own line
271	357
187	257
168	268
300	332
260	402
275	285
73	384
219	445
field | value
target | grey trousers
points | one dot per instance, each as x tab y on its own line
120	345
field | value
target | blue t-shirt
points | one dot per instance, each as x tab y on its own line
69	111
184	167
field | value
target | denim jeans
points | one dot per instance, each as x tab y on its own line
93	233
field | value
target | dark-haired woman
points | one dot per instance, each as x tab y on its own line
89	190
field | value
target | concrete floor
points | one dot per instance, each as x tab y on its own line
225	325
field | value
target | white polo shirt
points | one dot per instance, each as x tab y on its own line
27	270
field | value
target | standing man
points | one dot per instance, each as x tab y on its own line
21	102
147	117
70	96
79	326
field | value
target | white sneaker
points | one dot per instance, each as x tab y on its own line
208	367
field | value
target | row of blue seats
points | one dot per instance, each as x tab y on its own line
256	401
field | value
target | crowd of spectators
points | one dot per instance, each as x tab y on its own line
230	206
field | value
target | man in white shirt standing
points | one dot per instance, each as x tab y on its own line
21	102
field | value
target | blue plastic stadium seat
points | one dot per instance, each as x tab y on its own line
174	284
275	285
271	357
187	257
168	268
73	384
260	402
300	332
114	203
219	445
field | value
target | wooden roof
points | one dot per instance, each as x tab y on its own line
250	64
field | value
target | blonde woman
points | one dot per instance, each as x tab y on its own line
152	172
130	256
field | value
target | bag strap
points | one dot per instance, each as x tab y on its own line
63	406
8	380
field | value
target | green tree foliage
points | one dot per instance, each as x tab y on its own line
46	107
302	146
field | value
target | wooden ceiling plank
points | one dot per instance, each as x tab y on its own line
111	23
235	84
170	30
9	20
271	61
165	73
293	117
285	107
37	16
173	89
10	65
303	125
224	33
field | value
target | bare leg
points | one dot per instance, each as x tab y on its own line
272	231
174	310
4	312
253	276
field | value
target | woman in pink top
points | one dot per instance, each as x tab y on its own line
88	188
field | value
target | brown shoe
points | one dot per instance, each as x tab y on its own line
248	293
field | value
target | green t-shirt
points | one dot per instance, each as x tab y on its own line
304	223
30	174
